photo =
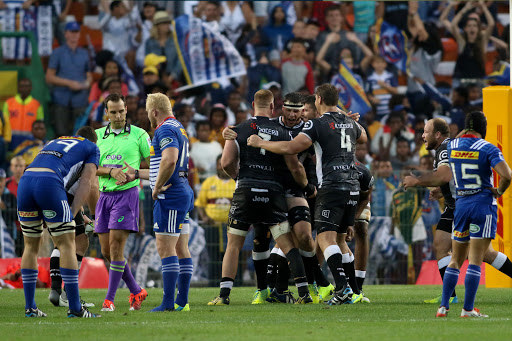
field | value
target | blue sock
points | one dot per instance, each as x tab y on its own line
170	272
471	283
70	279
451	276
186	270
29	278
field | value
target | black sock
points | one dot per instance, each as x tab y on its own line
360	282
309	263
506	268
350	272
226	284
283	275
55	273
260	267
441	272
336	265
272	270
297	270
320	278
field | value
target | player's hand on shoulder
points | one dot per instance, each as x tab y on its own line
229	134
254	141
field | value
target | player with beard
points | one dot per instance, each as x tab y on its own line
436	137
259	198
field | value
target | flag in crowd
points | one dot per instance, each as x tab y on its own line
7	248
351	94
500	76
205	54
392	44
34	19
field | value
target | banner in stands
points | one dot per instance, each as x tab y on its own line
392	44
37	19
352	96
205	54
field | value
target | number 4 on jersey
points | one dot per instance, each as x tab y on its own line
345	141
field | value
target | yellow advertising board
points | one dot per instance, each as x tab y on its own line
498	110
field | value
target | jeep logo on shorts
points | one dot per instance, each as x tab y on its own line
261	199
113	157
474	228
49	214
326	213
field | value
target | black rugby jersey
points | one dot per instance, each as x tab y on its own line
334	137
365	177
257	165
448	189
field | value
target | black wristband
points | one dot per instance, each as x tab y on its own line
110	172
309	190
136	174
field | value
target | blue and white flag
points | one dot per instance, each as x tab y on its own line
205	55
34	19
351	94
7	247
392	44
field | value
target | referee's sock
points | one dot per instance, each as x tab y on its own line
129	280
114	277
503	264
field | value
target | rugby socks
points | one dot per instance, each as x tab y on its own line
360	277
260	260
443	264
283	272
309	260
226	284
114	277
79	261
55	271
170	274
451	276
184	279
348	266
320	278
503	264
70	277
29	278
272	268
471	283
332	255
298	272
129	280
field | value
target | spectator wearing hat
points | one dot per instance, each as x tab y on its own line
296	72
218	119
68	72
161	43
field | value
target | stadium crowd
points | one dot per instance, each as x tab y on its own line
455	49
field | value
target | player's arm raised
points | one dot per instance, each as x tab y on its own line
167	165
505	174
441	176
295	146
229	160
81	194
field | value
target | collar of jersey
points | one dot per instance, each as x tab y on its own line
167	118
108	131
294	127
470	136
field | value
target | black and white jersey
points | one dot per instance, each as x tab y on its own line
365	177
448	189
258	166
334	137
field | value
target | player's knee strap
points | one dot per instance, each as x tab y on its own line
280	229
57	229
32	228
298	214
365	215
261	238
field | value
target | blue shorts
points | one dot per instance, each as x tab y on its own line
474	220
41	196
169	218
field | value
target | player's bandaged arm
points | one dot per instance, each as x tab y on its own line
300	143
505	174
229	159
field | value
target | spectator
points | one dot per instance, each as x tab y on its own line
381	85
17	168
261	73
148	13
215	197
5	136
263	10
68	71
296	72
204	152
364	18
475	98
362	154
402	160
28	149
132	104
385	183
235	15
8	206
234	105
112	69
23	111
218	119
384	142
161	43
371	123
278	32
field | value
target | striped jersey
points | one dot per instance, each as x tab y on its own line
170	134
471	160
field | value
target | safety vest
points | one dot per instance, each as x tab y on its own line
23	114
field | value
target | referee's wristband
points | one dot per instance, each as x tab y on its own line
110	172
136	174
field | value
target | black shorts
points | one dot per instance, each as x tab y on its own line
251	206
294	192
446	222
335	210
79	218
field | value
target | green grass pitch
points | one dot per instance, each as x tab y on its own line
396	313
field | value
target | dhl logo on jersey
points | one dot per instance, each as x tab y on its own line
151	151
457	154
184	132
71	138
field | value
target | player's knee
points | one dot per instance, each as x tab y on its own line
298	214
261	243
361	229
32	228
280	229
